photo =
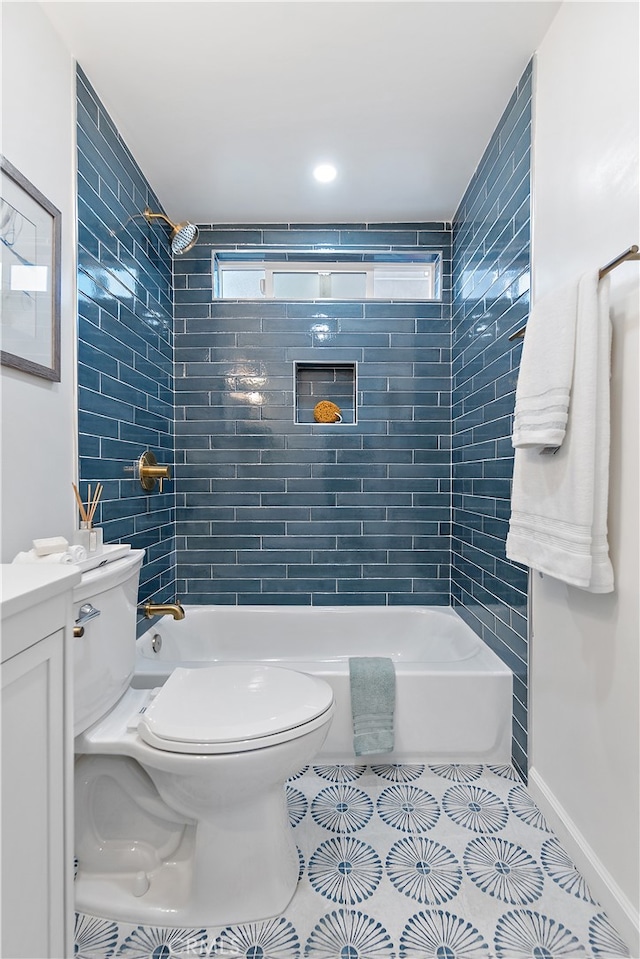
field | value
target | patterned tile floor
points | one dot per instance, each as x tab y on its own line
403	862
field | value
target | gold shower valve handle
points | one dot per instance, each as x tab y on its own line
149	471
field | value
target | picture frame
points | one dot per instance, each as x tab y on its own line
30	235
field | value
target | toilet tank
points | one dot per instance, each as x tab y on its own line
104	658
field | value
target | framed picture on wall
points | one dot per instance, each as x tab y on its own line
30	275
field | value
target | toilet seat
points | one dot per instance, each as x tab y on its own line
233	707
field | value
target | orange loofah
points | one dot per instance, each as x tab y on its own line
327	412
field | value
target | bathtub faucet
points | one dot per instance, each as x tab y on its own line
163	609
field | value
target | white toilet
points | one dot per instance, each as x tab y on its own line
181	816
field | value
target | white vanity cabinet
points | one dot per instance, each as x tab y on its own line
37	761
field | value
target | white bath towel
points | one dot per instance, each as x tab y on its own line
74	554
546	372
559	501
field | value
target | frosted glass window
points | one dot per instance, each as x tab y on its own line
398	284
242	284
314	275
296	286
348	286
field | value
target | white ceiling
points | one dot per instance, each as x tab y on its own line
227	106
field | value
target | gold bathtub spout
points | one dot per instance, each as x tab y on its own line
163	609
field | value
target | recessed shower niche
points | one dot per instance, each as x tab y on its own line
331	382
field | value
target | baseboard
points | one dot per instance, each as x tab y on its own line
620	910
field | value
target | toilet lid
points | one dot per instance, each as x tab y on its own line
211	708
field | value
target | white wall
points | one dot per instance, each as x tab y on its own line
38	418
584	666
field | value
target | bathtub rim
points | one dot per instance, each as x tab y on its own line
482	658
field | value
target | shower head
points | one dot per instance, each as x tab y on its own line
183	235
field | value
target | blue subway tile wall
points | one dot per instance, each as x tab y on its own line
125	344
491	231
274	511
268	510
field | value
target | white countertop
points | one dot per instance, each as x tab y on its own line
23	585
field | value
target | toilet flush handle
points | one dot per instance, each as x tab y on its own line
87	613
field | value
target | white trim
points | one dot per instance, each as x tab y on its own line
267	269
620	910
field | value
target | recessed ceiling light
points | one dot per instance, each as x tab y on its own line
325	172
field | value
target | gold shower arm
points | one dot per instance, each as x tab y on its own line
183	235
148	215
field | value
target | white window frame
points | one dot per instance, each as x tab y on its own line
326	267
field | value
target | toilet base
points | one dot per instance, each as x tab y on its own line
190	840
192	887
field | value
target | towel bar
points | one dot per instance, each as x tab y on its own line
631	254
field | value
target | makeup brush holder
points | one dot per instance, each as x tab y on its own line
89	536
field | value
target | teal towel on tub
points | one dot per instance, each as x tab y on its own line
373	700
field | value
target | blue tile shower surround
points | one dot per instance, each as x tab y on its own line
270	511
274	511
403	862
125	343
491	256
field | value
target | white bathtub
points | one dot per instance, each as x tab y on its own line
453	694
